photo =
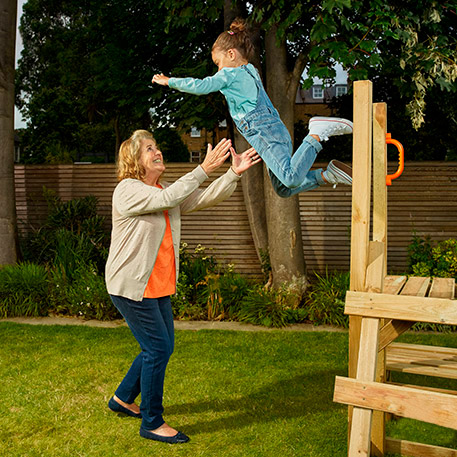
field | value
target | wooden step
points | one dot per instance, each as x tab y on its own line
423	360
442	288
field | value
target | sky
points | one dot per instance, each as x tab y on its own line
18	122
341	76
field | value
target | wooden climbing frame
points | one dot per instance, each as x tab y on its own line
382	307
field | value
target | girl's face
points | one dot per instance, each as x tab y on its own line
224	59
151	157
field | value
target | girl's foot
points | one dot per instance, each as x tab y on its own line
338	173
325	127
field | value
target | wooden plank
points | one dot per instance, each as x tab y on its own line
379	176
416	286
375	269
422	359
432	389
366	367
420	309
378	422
432	407
408	448
443	288
393	284
360	207
359	443
361	185
435	370
391	331
375	281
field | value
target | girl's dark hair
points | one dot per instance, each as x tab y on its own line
236	37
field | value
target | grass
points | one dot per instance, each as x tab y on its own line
234	393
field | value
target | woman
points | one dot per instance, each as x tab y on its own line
142	266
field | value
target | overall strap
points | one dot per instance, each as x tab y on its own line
245	67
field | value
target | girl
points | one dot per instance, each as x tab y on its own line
258	121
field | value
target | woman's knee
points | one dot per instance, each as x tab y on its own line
158	353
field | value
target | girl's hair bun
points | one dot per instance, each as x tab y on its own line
236	37
238	25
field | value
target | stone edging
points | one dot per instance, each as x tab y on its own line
179	325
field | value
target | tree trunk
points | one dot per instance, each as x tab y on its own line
8	227
283	215
254	200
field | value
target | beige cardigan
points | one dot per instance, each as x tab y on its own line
139	225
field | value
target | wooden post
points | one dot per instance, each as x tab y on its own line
378	427
361	185
359	443
379	176
361	191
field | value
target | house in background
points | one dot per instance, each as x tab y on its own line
308	103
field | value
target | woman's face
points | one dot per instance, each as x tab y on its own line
151	157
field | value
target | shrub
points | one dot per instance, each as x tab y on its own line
193	269
445	258
234	288
207	289
325	301
426	260
269	307
23	290
84	295
221	293
71	226
420	255
183	307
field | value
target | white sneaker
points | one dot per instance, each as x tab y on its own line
325	127
338	173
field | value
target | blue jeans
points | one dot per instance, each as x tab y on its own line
151	322
266	133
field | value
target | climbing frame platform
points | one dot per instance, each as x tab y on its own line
382	307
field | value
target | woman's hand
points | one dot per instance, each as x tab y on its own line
161	79
217	156
244	161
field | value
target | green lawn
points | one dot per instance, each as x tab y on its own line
234	393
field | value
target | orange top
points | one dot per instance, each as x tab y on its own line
162	281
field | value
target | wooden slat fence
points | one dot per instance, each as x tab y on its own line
424	199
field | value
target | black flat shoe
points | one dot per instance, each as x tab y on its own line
113	405
176	439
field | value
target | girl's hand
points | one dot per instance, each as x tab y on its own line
217	156
161	79
244	161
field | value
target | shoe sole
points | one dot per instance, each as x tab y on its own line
179	438
342	170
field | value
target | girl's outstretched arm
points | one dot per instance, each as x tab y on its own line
198	86
161	79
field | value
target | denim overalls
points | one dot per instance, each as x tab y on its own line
266	133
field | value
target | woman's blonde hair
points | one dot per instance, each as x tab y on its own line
237	37
128	161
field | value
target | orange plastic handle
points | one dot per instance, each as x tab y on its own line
401	159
